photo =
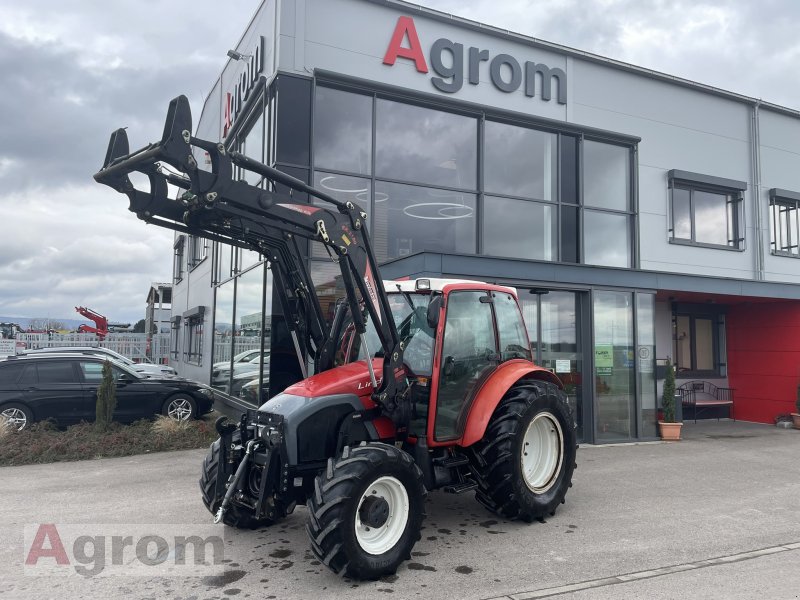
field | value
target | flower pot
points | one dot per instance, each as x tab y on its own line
796	420
670	432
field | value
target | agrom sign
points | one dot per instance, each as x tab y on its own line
451	63
234	101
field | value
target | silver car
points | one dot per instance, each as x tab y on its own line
146	368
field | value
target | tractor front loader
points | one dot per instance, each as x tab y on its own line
417	385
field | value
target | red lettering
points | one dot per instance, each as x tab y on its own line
56	549
228	117
405	27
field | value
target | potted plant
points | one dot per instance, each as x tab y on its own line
670	430
796	416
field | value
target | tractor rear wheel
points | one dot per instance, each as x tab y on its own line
524	463
235	516
366	512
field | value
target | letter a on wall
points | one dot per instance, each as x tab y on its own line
405	27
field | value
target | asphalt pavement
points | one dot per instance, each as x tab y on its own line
716	515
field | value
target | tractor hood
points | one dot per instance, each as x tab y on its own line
352	378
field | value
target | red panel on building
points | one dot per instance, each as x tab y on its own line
763	343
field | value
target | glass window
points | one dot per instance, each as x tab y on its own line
510	328
175	336
92	372
56	371
344	188
468	340
646	360
409	218
9	373
193	346
785	226
198	250
614	365
706	217
342	131
425	145
293	127
520	161
697	340
177	265
223	336
607	239
606	172
253	147
519	228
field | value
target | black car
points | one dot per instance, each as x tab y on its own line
64	387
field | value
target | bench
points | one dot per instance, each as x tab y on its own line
702	395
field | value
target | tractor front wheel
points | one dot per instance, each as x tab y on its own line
366	512
524	463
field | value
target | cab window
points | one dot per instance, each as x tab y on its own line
511	328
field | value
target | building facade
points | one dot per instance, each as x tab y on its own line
642	218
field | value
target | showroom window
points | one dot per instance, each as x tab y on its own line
784	222
706	211
607	205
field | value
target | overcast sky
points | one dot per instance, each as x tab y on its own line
72	75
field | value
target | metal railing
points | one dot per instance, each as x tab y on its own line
135	346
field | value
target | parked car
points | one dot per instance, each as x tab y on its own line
148	368
250	392
64	387
221	372
246	376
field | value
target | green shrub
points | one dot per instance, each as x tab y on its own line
668	397
106	399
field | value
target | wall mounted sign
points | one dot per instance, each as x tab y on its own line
451	63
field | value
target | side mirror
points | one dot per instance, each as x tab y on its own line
434	308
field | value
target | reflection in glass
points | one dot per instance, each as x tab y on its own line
520	161
607	239
342	131
614	365
346	189
683	343
253	147
606	171
447	155
681	214
327	278
223	336
410	219
710	218
247	258
249	327
519	229
704	344
646	361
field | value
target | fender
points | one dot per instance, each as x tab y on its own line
490	394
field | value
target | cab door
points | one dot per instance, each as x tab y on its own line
469	355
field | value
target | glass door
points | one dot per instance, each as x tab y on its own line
554	322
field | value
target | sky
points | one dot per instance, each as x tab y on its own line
71	76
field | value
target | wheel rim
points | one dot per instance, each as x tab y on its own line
378	540
15	418
541	454
179	409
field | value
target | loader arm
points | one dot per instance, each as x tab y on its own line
218	207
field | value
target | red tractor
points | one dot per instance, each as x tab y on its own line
418	385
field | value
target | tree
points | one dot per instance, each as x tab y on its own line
106	399
139	326
668	398
45	324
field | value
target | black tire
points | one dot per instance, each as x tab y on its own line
337	502
171	406
235	516
14	408
497	458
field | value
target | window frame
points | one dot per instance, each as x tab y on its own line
178	255
735	218
779	198
717	317
198	252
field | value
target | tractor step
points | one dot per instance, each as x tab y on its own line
460	488
451	462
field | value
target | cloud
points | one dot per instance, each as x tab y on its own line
70	77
